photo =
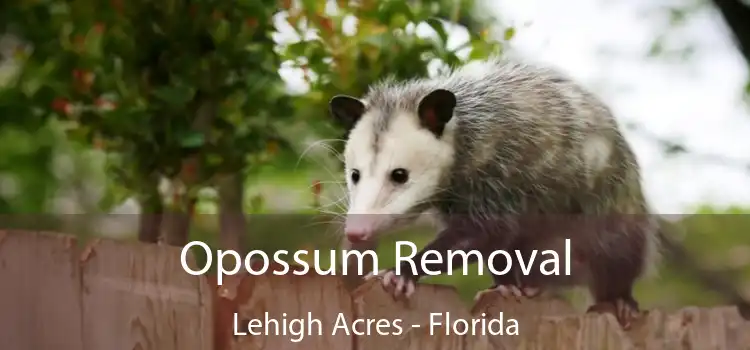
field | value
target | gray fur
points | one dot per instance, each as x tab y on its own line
521	129
520	134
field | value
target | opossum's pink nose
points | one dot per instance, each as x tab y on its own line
356	235
359	227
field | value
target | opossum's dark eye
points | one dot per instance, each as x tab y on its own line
355	176
400	176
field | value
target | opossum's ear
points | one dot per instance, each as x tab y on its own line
346	110
436	109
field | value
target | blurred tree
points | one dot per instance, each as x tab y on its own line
24	161
341	57
189	91
182	90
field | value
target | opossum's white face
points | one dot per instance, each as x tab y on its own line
394	163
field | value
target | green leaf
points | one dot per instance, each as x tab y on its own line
36	77
388	9
176	96
399	20
257	203
192	140
221	32
510	32
378	40
93	44
297	49
479	51
439	27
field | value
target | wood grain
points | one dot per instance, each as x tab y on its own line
138	296
116	295
527	313
308	296
698	328
420	338
40	299
372	301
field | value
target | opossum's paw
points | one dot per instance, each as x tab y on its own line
510	291
397	285
625	310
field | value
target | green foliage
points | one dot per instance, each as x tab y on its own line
153	84
717	239
383	44
23	187
189	89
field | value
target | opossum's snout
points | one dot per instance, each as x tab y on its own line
355	236
362	227
380	204
378	200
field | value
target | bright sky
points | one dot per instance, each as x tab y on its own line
604	44
697	102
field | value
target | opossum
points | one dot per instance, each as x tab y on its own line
504	155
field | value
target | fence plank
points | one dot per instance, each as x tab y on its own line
420	338
138	296
702	328
118	295
581	332
313	296
372	301
40	305
527	313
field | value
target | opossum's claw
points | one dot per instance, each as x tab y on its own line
374	274
625	311
399	285
508	291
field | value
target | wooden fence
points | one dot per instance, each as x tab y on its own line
114	295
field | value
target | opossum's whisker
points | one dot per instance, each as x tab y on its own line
339	183
334	217
328	222
331	150
336	203
328	182
336	154
335	229
319	143
339	205
332	229
323	183
330	212
305	193
331	202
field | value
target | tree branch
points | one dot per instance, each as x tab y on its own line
673	147
737	17
232	221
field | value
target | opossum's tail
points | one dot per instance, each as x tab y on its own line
713	280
